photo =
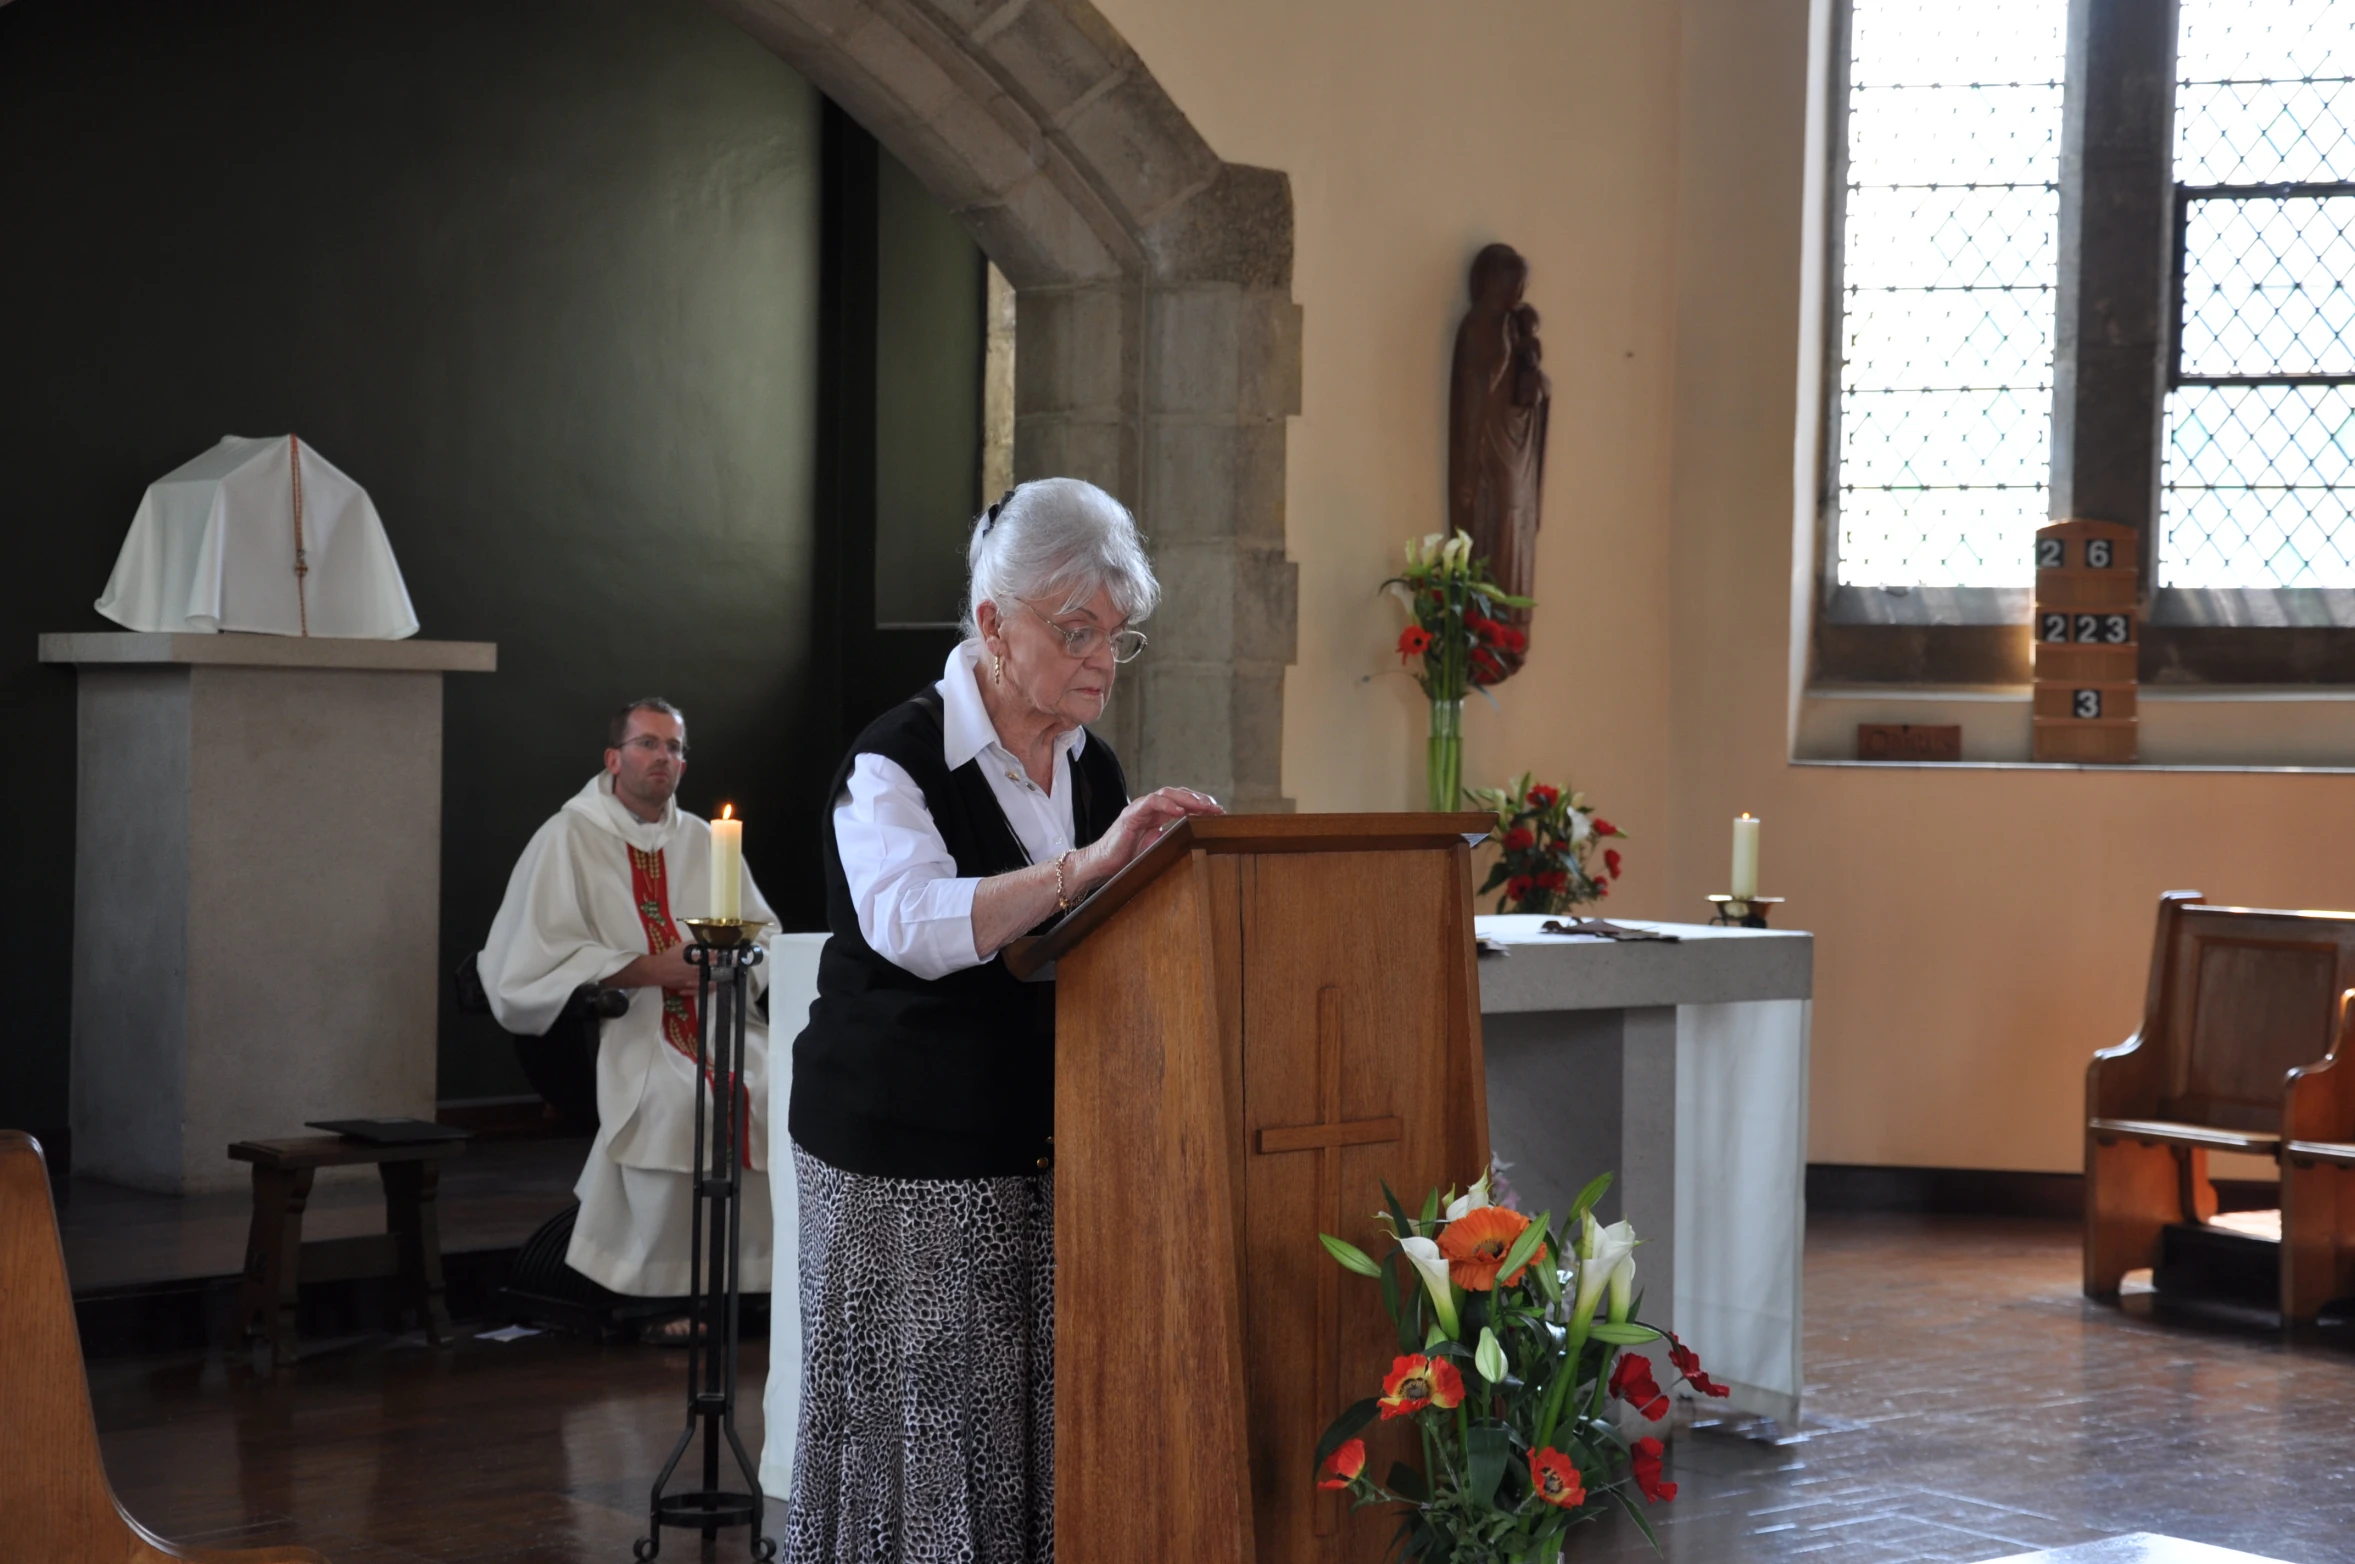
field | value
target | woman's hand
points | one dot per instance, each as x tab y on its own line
1140	825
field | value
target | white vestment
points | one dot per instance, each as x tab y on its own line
214	547
571	917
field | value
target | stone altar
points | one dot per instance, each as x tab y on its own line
1682	1067
257	891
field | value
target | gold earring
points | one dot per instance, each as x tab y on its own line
998	668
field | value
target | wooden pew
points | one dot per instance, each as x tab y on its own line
2238	1051
55	1502
2318	1177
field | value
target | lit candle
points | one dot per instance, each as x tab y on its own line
727	865
1745	883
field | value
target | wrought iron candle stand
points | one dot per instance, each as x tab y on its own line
725	954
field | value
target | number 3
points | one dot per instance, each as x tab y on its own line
2089	703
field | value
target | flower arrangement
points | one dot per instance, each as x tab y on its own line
1510	1340
1556	849
1452	630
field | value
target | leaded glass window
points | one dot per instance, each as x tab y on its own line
1948	266
2260	455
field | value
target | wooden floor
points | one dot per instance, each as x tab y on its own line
1965	1404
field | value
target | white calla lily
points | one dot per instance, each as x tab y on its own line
1469	1201
1431	1265
1600	1250
1489	1357
1623	1290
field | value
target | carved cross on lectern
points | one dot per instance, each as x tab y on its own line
1326	1137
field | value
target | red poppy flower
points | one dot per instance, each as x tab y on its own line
1511	639
1475	1245
1543	795
1517	888
1688	1363
1416	1382
1604	827
1632	1382
1646	1456
1602	887
1556	1480
1343	1465
1519	839
1611	861
1479	625
1555	880
1413	642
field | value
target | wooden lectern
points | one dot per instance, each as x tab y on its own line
1257	1023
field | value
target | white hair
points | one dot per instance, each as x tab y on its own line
1056	542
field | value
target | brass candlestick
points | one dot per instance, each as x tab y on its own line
1743	912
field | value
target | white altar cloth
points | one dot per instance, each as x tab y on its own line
1683	1069
212	548
793	987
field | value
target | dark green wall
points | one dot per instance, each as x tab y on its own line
540	274
932	294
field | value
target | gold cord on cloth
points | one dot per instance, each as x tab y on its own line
302	565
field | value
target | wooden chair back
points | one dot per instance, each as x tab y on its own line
2239	997
55	1502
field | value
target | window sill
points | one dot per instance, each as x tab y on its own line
2249	728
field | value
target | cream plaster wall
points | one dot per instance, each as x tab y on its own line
1980	932
1413	134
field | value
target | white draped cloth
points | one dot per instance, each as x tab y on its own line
215	543
572	916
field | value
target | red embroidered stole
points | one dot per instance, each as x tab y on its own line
650	891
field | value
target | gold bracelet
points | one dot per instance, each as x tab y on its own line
1062	897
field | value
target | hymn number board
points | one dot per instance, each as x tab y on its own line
2088	582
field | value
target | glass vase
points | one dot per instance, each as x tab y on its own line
1444	764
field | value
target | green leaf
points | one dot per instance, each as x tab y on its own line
1405	1228
1587	1197
1526	1245
1407	1483
1350	1255
1431	1208
1435	1337
1344	1428
1636	1513
1398	1317
1491	1445
1628	1335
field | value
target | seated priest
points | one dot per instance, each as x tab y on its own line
922	1107
597	898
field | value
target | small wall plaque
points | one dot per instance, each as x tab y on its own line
1908	741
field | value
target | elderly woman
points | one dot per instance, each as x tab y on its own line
924	1086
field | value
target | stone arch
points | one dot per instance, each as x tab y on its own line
1157	347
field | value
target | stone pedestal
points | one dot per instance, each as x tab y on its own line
257	888
1682	1068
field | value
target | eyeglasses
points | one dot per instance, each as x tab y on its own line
1081	641
648	745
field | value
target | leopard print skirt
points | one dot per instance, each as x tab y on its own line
928	1353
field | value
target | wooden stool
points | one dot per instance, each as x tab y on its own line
277	1260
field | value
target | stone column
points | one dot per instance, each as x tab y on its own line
2110	347
257	892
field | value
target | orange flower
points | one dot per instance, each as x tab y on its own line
1556	1480
1475	1245
1416	1382
1343	1465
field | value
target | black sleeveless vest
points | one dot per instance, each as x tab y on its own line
954	1078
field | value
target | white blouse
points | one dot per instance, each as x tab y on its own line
914	909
